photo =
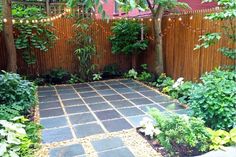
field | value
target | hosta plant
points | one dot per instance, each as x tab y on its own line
131	74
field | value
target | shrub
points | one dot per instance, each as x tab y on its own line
131	74
111	70
145	75
17	96
182	135
18	137
58	76
214	100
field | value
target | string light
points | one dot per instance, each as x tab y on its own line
191	17
169	19
159	19
13	21
150	19
180	19
5	20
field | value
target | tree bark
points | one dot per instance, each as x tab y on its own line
157	21
8	37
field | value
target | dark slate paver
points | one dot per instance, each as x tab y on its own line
81	118
56	135
88	130
116	125
122	152
108	114
48	98
66	91
47	93
107	144
141	101
106	92
93	100
84	90
64	87
146	107
51	112
69	96
132	95
67	151
49	105
133	111
72	102
53	122
113	97
100	106
135	121
102	87
160	99
150	93
88	94
76	109
121	104
124	90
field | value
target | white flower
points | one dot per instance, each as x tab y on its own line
148	128
178	82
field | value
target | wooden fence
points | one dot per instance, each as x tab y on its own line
180	35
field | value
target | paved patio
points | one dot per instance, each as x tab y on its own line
81	110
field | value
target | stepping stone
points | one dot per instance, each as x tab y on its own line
76	109
81	118
113	97
145	108
124	90
109	114
48	99
67	151
107	92
121	104
53	122
100	106
116	125
133	111
93	100
122	152
107	144
56	135
150	93
88	94
88	130
51	113
73	102
49	105
141	101
69	96
132	95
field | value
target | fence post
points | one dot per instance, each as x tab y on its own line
48	7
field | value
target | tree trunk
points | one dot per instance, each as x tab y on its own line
157	20
8	36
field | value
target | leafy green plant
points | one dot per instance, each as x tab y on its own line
131	74
18	137
31	36
97	77
181	135
214	100
58	76
73	79
221	138
17	96
111	70
145	75
126	37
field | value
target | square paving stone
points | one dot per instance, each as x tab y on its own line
100	106
122	152
146	107
51	112
94	84
141	101
69	96
134	111
124	90
107	92
88	130
88	94
80	85
62	92
160	99
150	93
108	114
133	84
121	104
93	100
76	109
113	97
46	93
84	90
127	81
172	106
107	144
135	121
112	82
140	88
116	125
45	88
67	151
73	102
64	87
81	118
53	122
132	95
118	86
49	105
48	99
56	135
101	87
183	111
